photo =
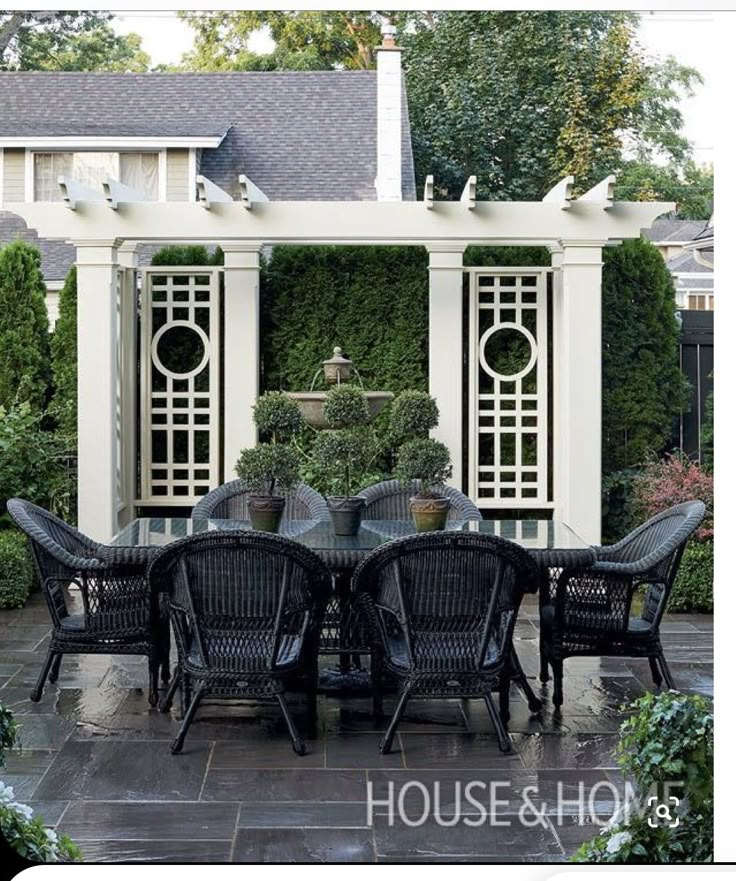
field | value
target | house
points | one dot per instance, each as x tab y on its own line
298	136
693	278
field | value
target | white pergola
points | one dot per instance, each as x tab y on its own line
107	231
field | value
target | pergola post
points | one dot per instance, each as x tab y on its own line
97	277
577	365
446	347
242	353
128	380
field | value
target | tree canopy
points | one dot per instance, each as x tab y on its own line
518	98
60	40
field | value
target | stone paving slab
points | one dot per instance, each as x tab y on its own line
96	763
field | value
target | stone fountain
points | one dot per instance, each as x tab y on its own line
334	371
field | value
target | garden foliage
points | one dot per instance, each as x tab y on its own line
670	481
669	739
16	569
24	335
63	406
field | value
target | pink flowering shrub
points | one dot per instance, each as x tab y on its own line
671	481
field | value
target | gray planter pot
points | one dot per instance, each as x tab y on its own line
265	512
429	514
346	513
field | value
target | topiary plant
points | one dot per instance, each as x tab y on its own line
345	456
16	569
413	414
266	468
278	416
346	407
426	460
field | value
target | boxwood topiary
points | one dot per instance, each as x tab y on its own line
413	414
277	416
426	460
346	407
693	589
16	569
266	468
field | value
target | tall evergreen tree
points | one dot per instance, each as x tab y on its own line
24	336
64	358
643	386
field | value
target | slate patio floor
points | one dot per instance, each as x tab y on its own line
95	761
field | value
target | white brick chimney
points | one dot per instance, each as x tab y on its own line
388	100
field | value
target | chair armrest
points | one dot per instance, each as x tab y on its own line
112	556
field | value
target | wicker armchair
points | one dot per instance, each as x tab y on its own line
389	500
590	610
246	609
443	607
229	502
119	615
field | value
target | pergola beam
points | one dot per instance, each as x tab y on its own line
343	222
561	193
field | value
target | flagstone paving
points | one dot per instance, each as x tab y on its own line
95	763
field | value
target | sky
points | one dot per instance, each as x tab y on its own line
686	35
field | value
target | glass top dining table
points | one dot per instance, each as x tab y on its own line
551	542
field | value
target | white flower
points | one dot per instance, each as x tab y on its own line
617	841
6	793
52	836
24	810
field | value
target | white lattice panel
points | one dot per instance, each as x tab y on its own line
508	386
180	384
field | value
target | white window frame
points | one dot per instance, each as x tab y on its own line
30	188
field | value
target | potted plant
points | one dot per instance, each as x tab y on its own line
271	469
421	458
344	452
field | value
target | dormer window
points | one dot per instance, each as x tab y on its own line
137	170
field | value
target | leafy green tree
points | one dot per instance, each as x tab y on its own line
306	40
24	336
690	187
62	40
63	406
643	386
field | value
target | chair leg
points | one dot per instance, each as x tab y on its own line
300	748
666	672
167	700
153	665
504	741
178	743
165	662
656	674
557	698
504	687
377	685
519	677
543	663
54	671
42	676
388	737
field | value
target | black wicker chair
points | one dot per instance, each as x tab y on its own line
389	500
443	606
590	610
246	609
119	614
230	501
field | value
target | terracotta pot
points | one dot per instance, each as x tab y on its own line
265	512
346	513
429	514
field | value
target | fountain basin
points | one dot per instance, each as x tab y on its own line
312	405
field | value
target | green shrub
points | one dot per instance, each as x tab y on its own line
344	457
34	464
643	386
63	406
413	414
16	569
24	332
278	417
346	407
22	831
266	468
693	589
669	739
618	501
424	459
187	255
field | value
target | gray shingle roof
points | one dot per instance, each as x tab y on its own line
297	134
673	230
686	262
56	256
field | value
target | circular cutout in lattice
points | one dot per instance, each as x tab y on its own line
507	351
180	349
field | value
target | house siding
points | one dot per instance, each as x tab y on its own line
14	176
177	175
